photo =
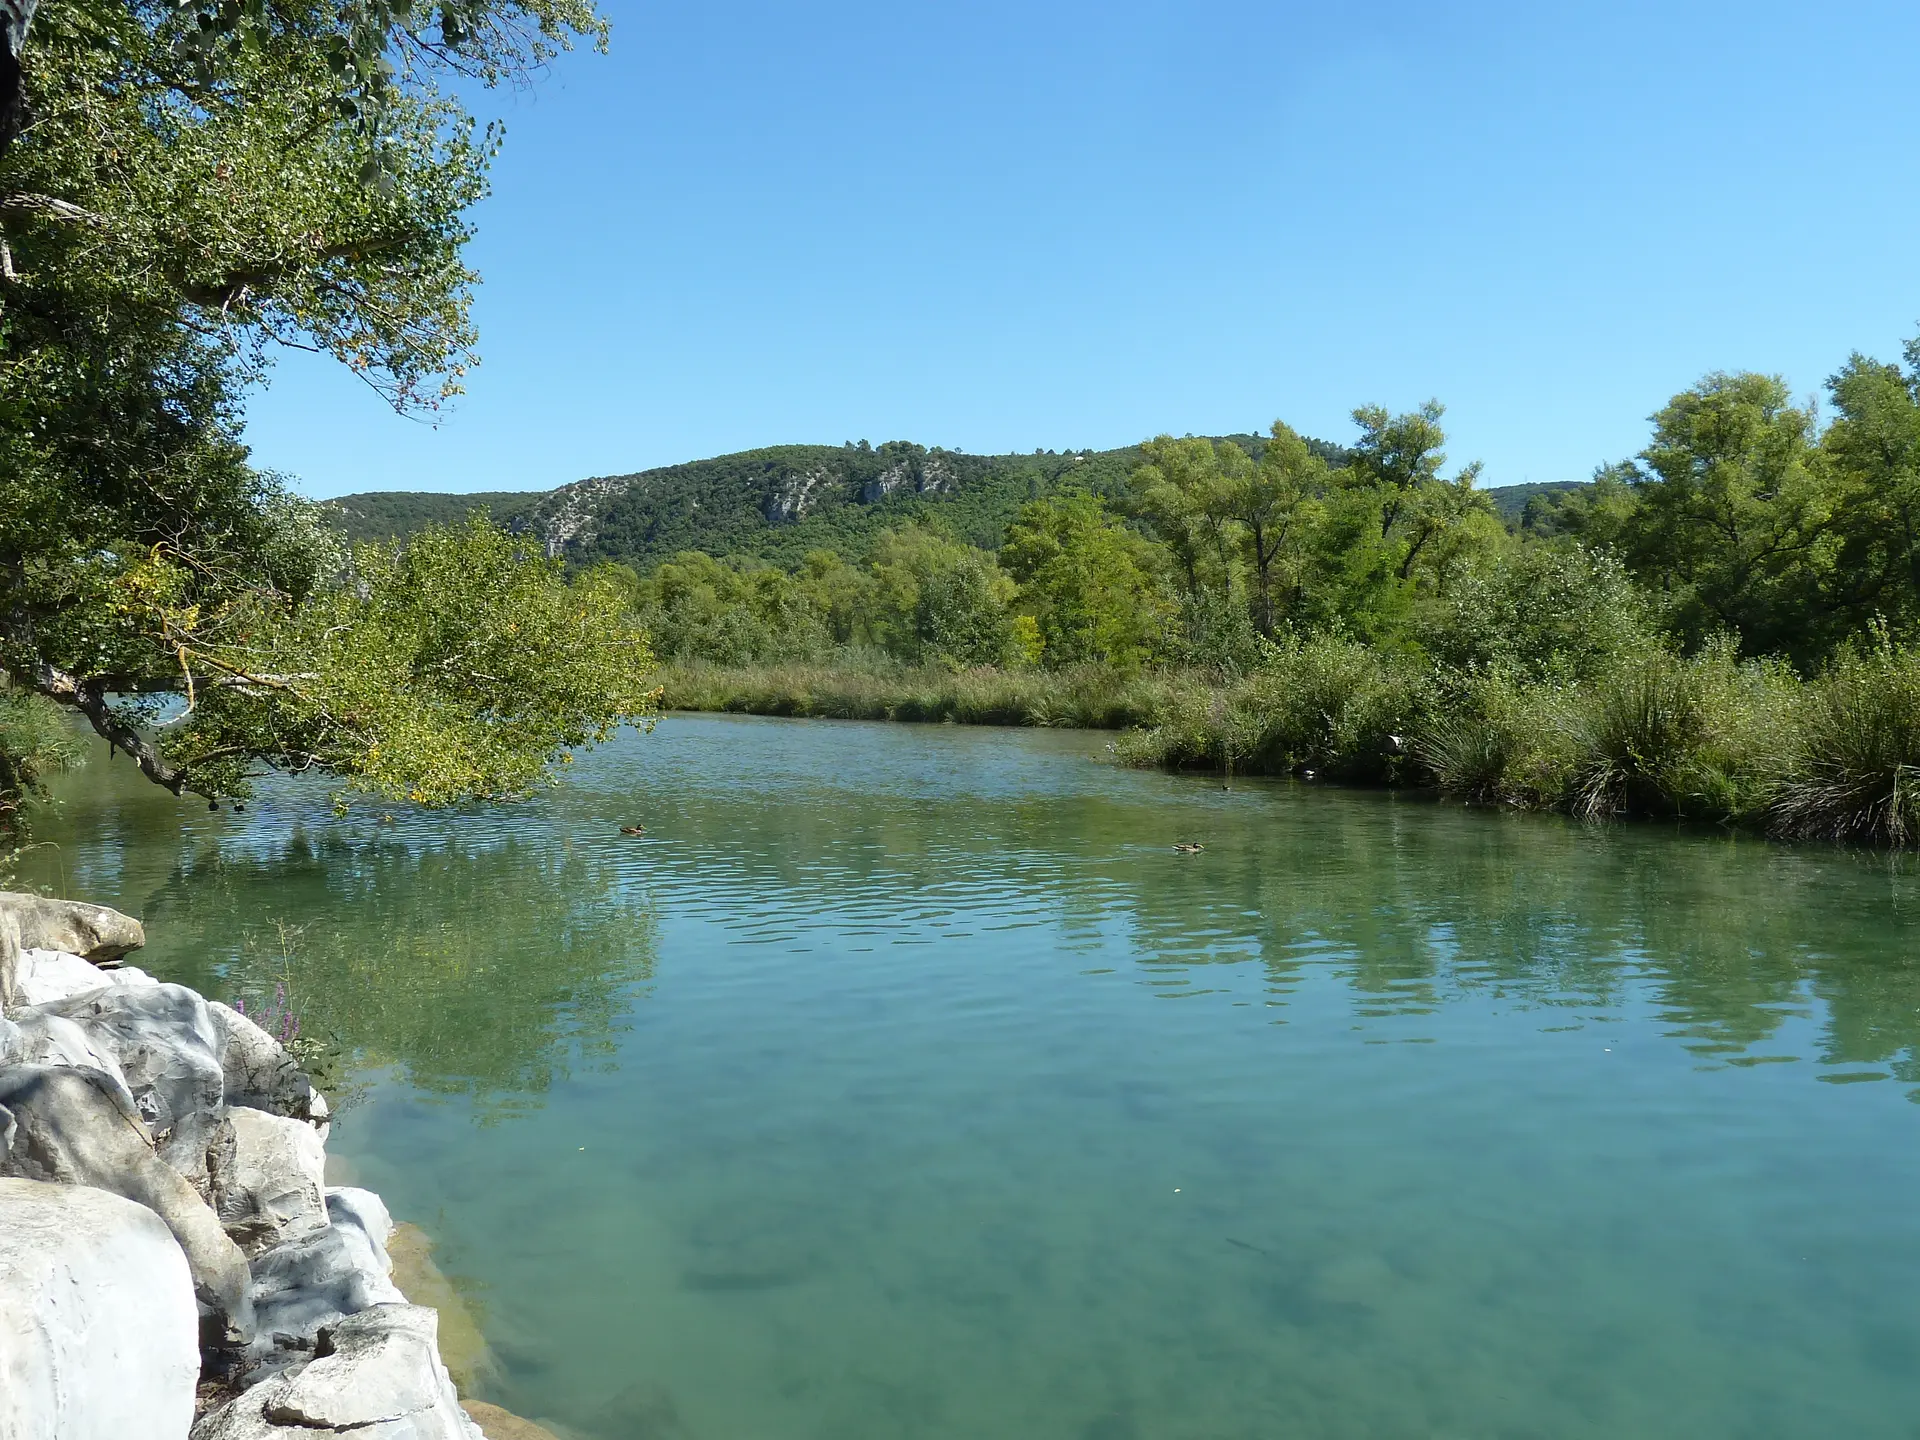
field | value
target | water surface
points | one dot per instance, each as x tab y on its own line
903	1082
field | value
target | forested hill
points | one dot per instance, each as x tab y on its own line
777	503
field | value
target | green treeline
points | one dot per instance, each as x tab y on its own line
1721	628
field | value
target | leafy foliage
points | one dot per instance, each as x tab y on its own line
192	187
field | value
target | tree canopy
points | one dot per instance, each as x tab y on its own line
184	189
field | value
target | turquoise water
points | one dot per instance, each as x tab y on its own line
904	1082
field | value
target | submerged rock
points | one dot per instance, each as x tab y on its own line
72	1126
375	1374
463	1346
98	1333
270	1189
498	1424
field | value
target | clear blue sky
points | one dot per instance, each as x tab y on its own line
1003	226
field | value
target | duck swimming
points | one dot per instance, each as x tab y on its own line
1189	847
633	829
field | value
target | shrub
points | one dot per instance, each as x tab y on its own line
1702	737
1855	773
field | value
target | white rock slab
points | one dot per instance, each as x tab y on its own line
380	1379
99	1338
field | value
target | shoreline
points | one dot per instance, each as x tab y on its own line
1701	740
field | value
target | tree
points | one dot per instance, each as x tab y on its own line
937	601
734	611
1173	493
1091	585
1731	525
1395	529
1872	457
1398	457
180	198
1275	503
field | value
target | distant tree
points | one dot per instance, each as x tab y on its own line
1729	525
1276	503
1091	585
937	601
1871	454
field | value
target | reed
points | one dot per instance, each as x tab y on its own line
1086	697
1704	737
1854	773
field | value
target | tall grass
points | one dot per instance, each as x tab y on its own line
1705	737
1087	697
1854	771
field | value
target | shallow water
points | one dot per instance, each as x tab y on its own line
903	1082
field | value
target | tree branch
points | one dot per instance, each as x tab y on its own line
69	690
232	286
21	204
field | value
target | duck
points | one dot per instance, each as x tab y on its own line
633	829
1189	847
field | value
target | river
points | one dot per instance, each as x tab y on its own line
903	1081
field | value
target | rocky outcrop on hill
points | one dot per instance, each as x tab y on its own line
165	1228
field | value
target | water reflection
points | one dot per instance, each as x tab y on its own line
904	1082
489	950
492	970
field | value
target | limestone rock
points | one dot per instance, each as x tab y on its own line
43	976
10	949
259	1071
98	1335
169	1051
303	1284
35	1038
270	1190
92	932
72	1126
376	1375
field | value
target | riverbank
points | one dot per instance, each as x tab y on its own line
1708	737
1089	697
173	1262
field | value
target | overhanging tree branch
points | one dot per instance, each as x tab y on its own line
69	690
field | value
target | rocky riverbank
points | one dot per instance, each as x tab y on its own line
172	1261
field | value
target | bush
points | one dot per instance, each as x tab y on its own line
1855	772
1702	737
36	742
1546	612
1326	705
1487	737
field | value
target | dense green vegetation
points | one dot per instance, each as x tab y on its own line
775	504
185	187
1723	628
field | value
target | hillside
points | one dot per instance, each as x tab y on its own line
781	502
393	514
1512	500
